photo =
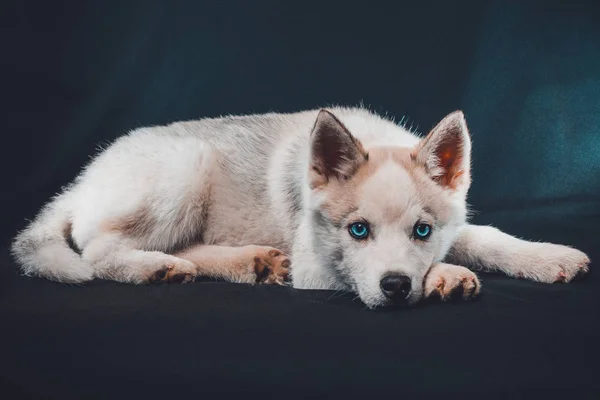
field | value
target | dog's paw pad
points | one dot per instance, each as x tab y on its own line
171	273
271	266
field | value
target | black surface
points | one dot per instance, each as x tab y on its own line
527	75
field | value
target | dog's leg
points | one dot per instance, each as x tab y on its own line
448	281
488	249
246	264
115	257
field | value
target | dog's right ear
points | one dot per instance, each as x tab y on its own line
335	153
446	153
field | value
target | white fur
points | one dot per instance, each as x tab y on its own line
231	181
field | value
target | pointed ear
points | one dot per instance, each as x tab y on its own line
446	153
335	153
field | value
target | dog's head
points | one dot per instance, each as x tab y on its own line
383	215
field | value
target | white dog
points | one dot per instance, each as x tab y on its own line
339	199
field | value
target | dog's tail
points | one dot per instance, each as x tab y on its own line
42	248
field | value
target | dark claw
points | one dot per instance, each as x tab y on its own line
457	293
158	276
161	274
178	278
262	272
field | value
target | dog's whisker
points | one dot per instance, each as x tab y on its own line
335	294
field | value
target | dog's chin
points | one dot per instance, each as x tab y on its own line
382	302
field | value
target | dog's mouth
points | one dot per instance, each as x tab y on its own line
391	304
406	303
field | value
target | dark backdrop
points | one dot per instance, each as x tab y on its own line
527	75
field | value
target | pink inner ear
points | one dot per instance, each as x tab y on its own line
445	152
335	152
449	154
446	158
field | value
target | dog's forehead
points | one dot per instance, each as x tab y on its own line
393	186
389	191
387	188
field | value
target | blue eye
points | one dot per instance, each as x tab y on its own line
422	231
359	230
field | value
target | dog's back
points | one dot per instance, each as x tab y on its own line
234	180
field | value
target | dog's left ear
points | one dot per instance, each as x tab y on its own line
335	153
446	153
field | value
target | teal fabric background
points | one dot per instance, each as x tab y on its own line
527	75
533	98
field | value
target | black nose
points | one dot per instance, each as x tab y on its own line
395	287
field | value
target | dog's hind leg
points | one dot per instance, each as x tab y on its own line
488	249
246	264
114	257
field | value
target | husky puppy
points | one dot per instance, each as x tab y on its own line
332	199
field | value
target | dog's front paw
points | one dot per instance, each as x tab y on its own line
448	281
176	271
269	265
552	263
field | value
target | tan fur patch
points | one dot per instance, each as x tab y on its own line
340	201
139	223
189	217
